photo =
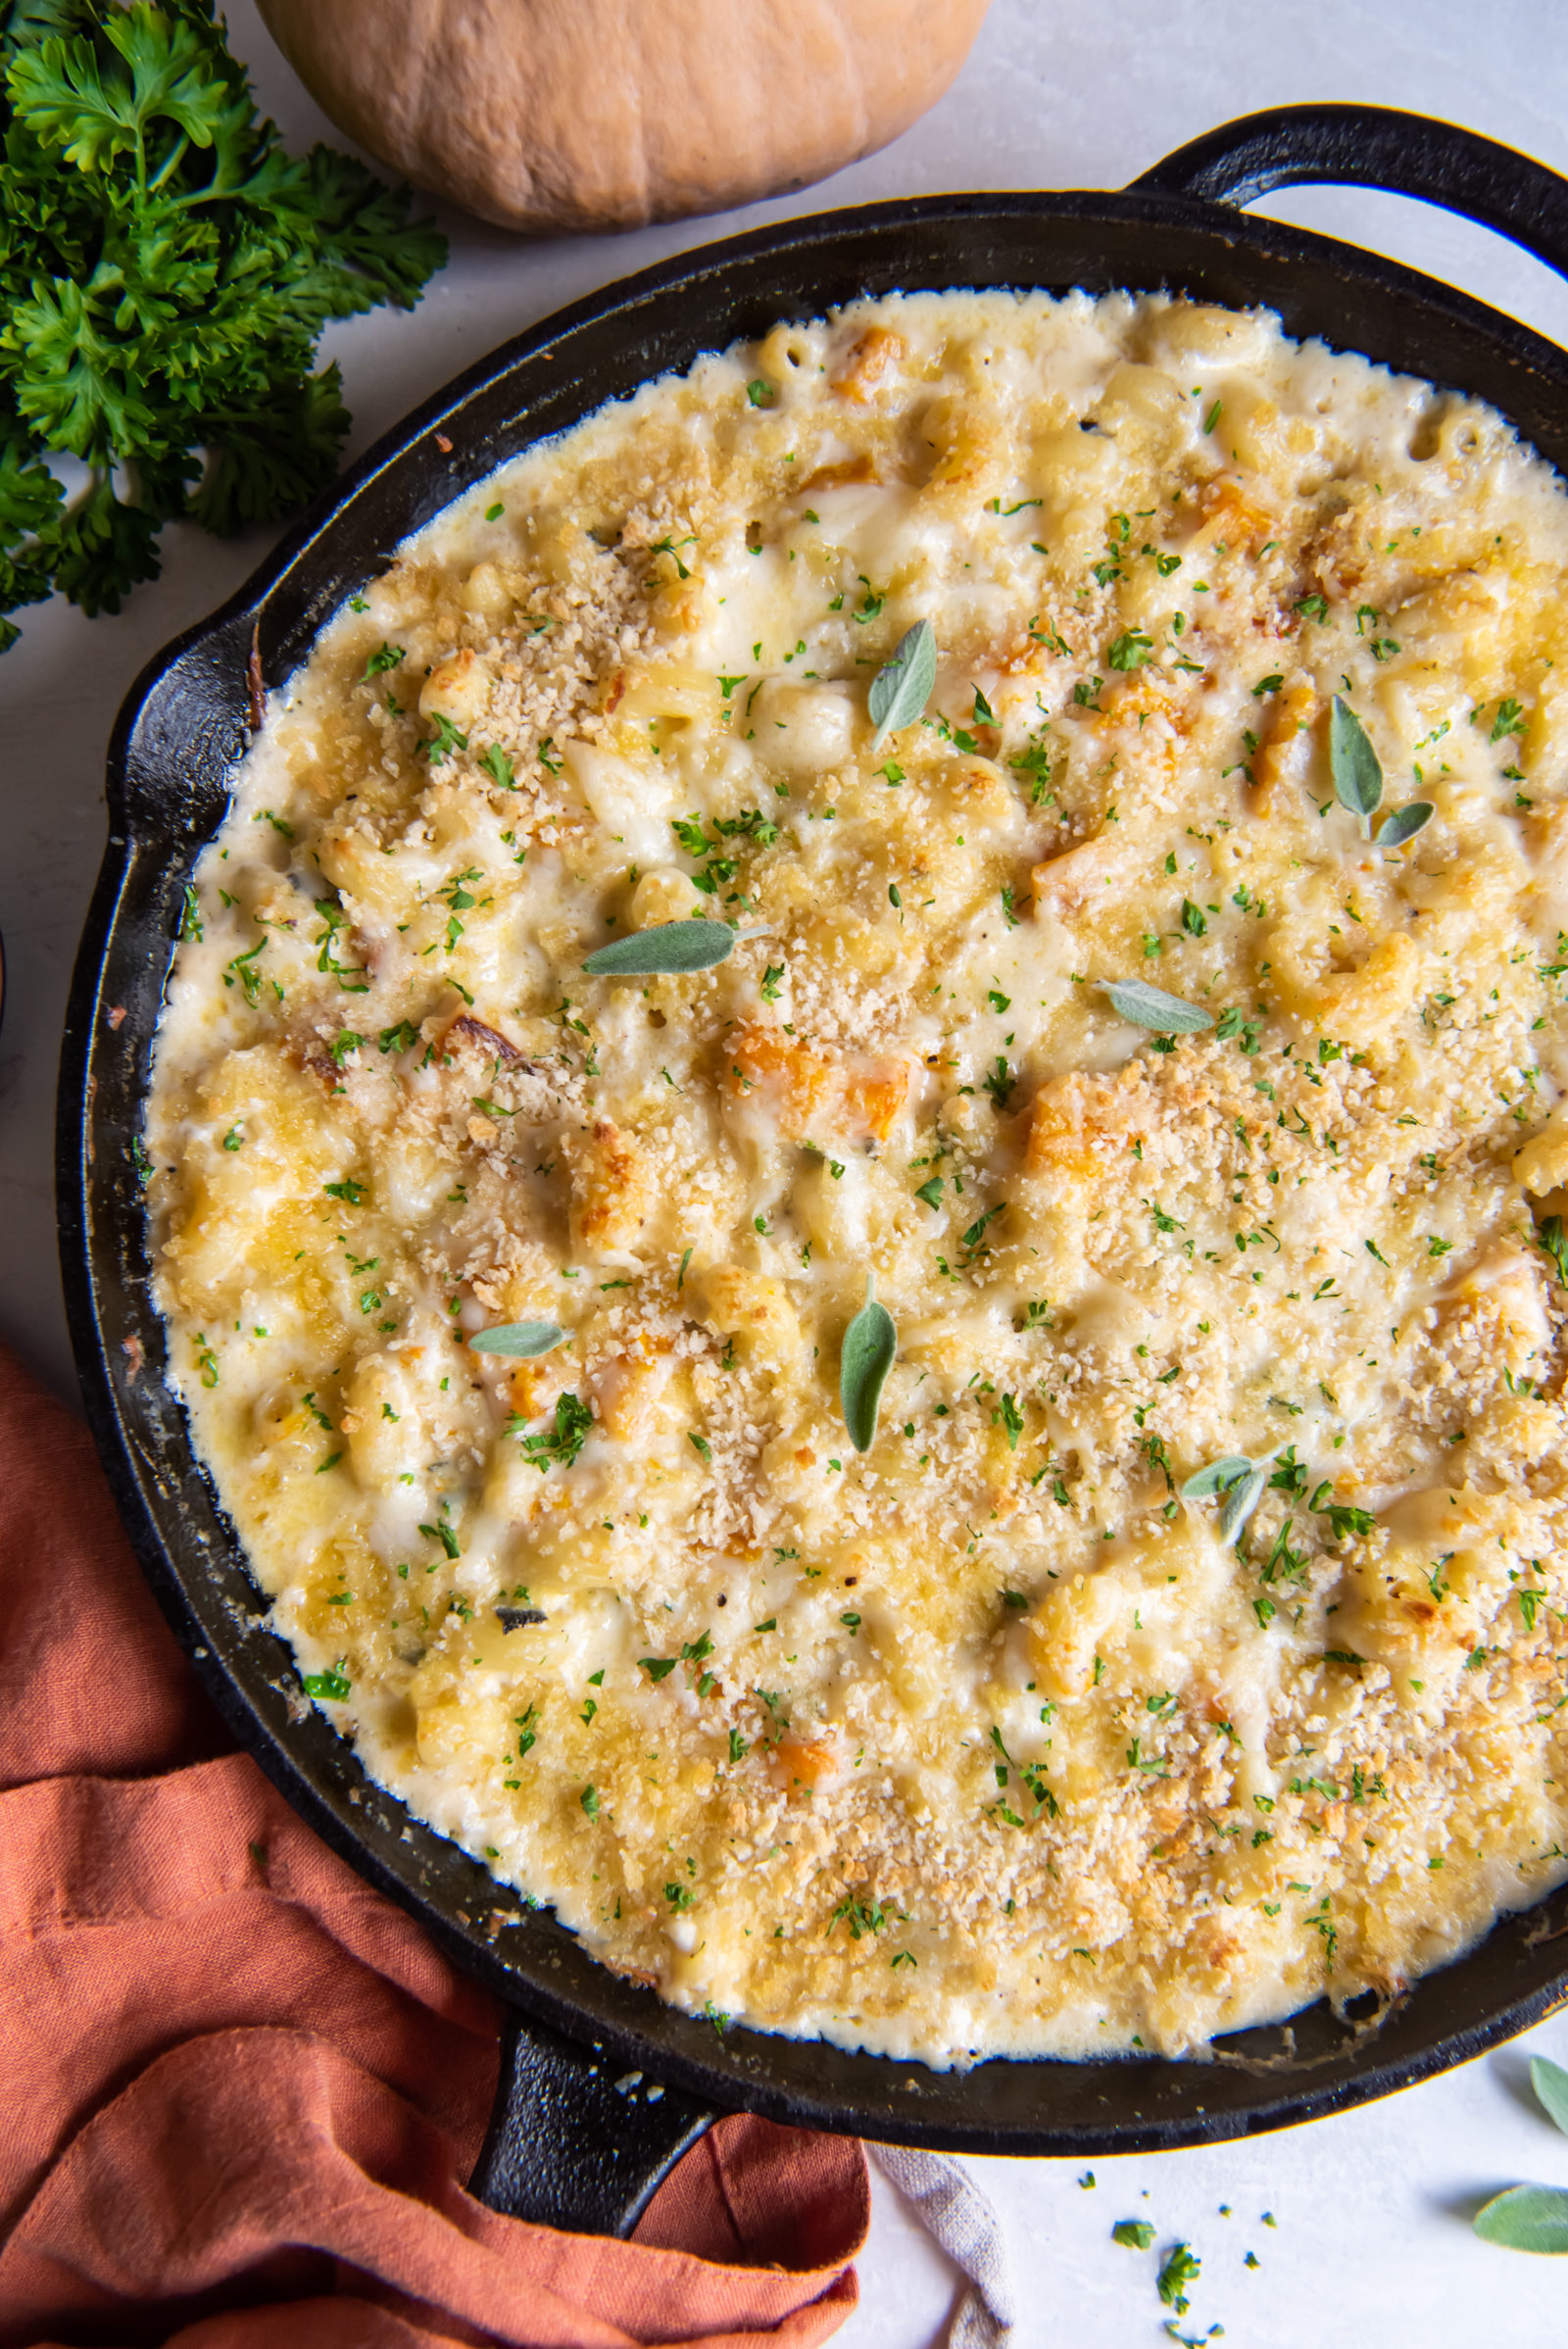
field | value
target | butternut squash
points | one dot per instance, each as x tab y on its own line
550	114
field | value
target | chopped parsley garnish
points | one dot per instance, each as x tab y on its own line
860	1915
350	978
1233	1028
332	1687
1554	1241
752	825
1138	2234
446	739
243	969
1130	650
670	546
998	1083
977	1229
1182	2264
559	1442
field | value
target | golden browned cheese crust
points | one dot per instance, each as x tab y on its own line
990	1739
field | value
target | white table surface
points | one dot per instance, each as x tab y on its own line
1372	2244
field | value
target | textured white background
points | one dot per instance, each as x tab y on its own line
1372	2244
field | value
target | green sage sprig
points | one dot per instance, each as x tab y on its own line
1357	773
1237	1483
1532	2218
1355	765
1217	1478
869	1345
522	1340
669	946
902	686
1152	1007
1403	823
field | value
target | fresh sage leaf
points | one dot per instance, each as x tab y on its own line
1526	2219
902	686
1218	1477
1152	1007
1550	2083
869	1345
520	1339
1404	824
669	946
1352	761
1239	1502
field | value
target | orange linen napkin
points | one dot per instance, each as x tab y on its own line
241	2089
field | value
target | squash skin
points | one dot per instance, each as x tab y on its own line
578	115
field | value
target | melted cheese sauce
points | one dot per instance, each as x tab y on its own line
985	1742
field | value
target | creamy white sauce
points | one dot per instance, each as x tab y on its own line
983	1742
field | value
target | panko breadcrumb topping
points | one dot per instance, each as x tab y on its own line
993	1738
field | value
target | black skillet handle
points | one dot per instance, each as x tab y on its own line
1374	146
576	2139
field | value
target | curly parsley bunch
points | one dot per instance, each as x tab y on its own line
166	268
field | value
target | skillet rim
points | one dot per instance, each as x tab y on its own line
306	1757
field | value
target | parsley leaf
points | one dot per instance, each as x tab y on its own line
166	268
558	1444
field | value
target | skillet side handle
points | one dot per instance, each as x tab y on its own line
1374	146
577	2141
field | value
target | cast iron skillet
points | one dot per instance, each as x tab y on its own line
580	2134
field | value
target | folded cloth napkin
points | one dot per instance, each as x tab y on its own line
241	2089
